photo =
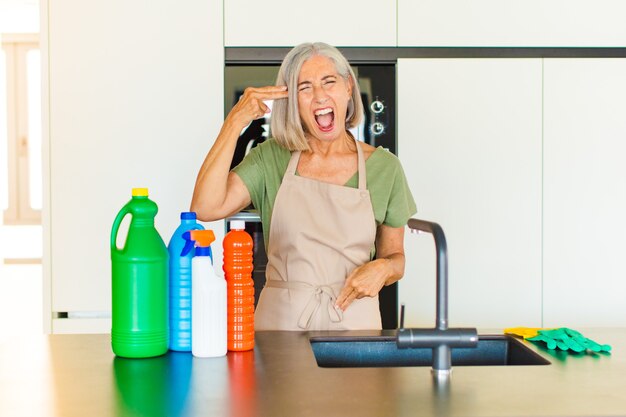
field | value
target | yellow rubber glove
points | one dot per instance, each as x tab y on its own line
525	332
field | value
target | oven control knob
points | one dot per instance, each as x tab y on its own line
377	106
377	128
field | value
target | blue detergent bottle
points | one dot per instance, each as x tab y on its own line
180	284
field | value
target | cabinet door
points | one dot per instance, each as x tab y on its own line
128	108
470	143
585	192
285	23
528	23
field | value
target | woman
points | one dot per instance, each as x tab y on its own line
326	209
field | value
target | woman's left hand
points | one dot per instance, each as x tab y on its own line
365	281
368	279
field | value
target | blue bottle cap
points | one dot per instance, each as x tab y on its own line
188	215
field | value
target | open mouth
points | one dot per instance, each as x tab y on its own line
325	119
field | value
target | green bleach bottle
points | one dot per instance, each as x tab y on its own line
139	283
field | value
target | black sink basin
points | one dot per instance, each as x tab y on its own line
381	351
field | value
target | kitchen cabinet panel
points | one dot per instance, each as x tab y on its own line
82	325
137	106
469	138
530	23
585	195
285	23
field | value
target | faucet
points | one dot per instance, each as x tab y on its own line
441	339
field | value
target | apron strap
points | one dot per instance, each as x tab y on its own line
315	300
362	174
293	163
361	166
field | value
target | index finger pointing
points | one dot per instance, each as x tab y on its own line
272	88
275	95
349	299
345	291
272	92
346	296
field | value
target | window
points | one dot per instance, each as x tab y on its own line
20	130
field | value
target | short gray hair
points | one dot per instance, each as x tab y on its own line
286	126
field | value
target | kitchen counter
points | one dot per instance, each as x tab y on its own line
78	375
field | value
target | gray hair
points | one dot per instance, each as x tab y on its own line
286	126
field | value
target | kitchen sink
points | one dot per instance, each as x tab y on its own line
382	351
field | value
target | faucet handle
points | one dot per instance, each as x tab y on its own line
402	316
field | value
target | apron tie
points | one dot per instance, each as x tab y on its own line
318	293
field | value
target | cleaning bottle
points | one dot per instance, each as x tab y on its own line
139	282
180	284
208	298
238	273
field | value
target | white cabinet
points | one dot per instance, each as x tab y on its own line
585	192
525	172
135	99
469	138
287	23
528	23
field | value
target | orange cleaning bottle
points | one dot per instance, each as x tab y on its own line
240	287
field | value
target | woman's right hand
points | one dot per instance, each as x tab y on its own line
218	192
251	106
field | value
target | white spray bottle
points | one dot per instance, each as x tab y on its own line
208	298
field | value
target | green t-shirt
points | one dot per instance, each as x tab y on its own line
262	172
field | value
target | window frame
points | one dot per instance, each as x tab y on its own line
19	210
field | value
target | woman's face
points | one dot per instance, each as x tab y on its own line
323	97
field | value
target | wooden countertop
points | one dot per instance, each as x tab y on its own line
78	375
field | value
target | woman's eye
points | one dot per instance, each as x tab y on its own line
305	88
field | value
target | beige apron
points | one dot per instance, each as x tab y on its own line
319	233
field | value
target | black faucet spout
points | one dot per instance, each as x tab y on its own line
441	339
441	248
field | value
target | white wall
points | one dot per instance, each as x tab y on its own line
135	100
